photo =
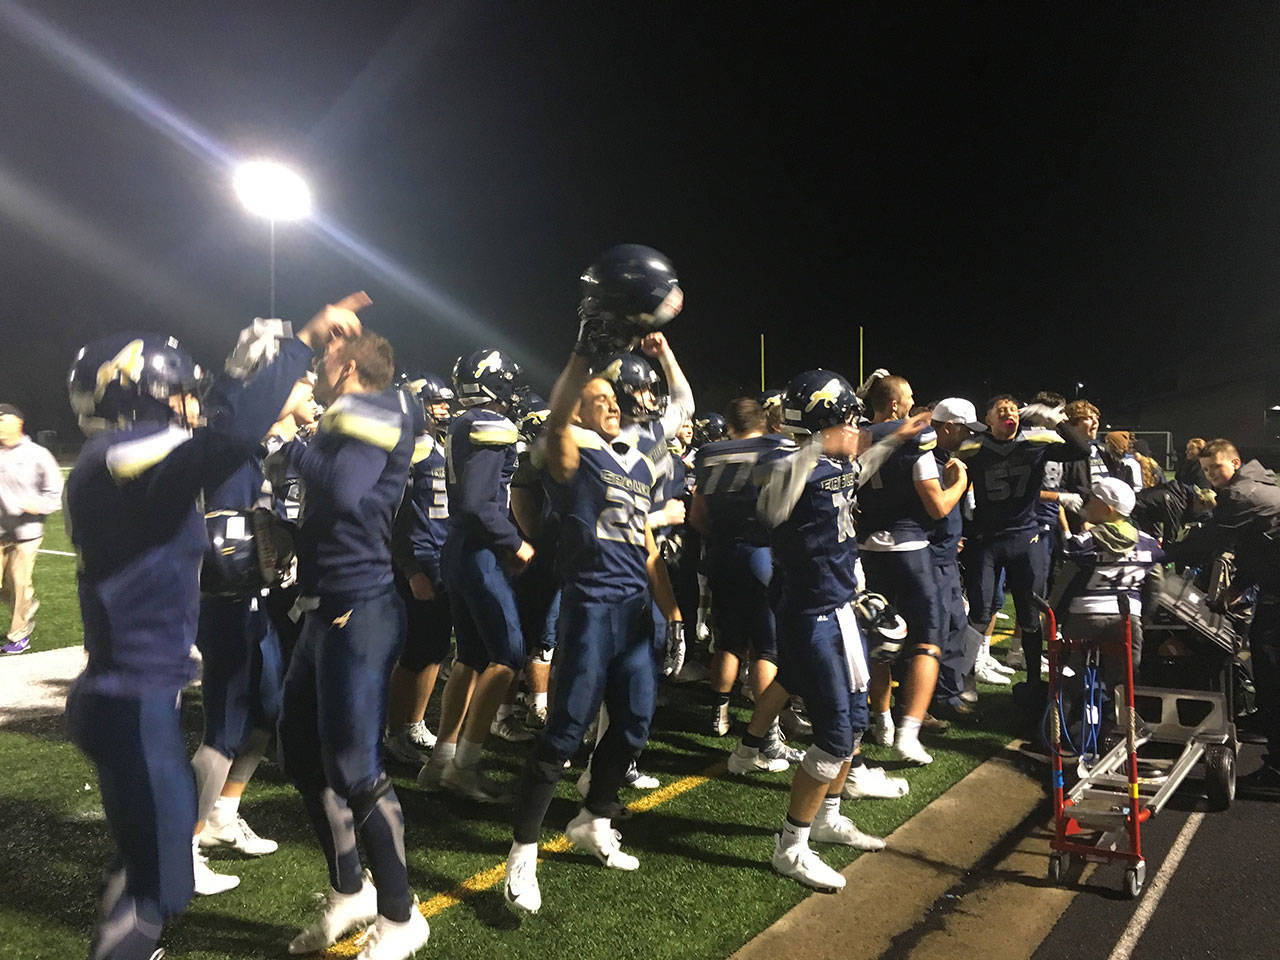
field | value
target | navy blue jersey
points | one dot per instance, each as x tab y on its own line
603	512
1109	560
243	490
725	477
531	475
815	548
1007	475
139	535
888	504
944	538
1047	510
353	473
480	459
422	522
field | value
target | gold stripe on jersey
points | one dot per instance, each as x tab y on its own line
493	433
585	439
423	448
132	458
351	417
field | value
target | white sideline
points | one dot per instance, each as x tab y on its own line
1142	916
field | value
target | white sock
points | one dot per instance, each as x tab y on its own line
521	851
224	809
747	752
794	837
444	751
909	728
540	700
468	754
886	719
504	710
829	812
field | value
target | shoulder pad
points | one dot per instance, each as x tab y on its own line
1041	435
132	458
423	448
498	432
927	439
358	419
969	447
584	438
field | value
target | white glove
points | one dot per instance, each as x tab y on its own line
1071	501
1040	415
257	346
877	374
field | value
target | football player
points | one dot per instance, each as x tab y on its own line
483	551
139	536
899	506
353	474
421	525
739	567
806	498
1006	466
602	489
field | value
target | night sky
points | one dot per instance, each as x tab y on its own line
1005	197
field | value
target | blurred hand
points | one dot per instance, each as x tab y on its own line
420	586
520	559
954	471
842	440
914	426
335	321
655	344
673	513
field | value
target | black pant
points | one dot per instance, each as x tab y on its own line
1264	644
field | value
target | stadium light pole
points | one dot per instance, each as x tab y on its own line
271	190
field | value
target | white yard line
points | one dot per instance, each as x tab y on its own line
1142	916
57	553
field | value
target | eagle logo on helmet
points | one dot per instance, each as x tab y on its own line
491	364
125	367
830	392
613	371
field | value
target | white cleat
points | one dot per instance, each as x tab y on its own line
745	760
873	782
207	882
997	666
431	773
597	836
802	864
909	749
882	731
473	783
984	672
522	893
238	835
841	830
510	729
409	745
340	913
388	940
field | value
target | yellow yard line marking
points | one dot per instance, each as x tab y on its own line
487	879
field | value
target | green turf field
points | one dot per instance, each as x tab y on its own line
703	889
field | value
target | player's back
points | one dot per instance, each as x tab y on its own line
889	503
815	548
725	478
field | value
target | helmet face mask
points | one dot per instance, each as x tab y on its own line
436	398
485	376
639	392
125	379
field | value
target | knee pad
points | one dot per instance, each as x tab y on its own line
925	650
822	766
362	803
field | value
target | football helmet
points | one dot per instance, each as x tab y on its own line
769	398
485	376
529	411
630	290
708	428
883	625
641	395
432	391
248	550
128	378
817	399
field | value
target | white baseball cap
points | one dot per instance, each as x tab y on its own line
957	410
1116	494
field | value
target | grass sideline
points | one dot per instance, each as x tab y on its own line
704	887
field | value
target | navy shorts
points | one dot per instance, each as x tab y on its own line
486	621
242	674
908	580
428	627
739	579
538	602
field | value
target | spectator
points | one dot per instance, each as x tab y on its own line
1190	471
30	490
1119	460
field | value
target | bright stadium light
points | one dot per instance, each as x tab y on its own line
272	191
